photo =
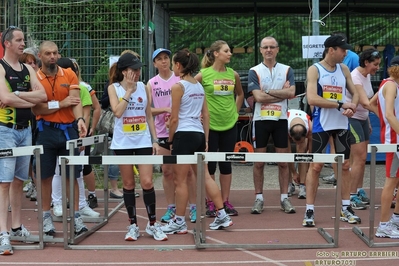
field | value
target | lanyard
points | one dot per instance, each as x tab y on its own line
52	84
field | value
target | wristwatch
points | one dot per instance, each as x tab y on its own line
267	91
339	105
17	93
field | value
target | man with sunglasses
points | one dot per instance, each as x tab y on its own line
271	83
20	90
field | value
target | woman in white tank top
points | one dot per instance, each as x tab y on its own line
134	125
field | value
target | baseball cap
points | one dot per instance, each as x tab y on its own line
158	51
128	60
394	61
337	41
65	62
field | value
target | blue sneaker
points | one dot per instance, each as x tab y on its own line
193	214
363	196
357	204
169	214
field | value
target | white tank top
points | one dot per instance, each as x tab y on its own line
191	107
131	130
331	85
359	79
294	113
271	80
161	91
387	134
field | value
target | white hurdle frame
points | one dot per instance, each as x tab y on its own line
200	159
67	219
200	227
29	151
369	240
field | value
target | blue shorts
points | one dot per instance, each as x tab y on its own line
14	166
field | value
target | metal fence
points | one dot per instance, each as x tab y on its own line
89	31
241	30
92	30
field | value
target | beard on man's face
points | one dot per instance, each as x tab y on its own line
52	66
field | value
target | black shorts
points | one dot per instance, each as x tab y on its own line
262	130
188	142
341	139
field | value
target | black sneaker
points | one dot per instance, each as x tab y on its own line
92	201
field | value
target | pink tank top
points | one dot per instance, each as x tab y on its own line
161	97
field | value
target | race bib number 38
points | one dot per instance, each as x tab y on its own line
332	93
134	125
223	87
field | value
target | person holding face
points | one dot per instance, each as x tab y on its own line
134	134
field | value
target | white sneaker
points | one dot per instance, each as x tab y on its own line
133	233
88	212
57	210
156	232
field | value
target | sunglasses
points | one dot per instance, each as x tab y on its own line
374	54
267	47
10	29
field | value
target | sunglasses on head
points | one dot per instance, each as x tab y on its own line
10	29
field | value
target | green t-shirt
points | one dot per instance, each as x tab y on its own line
85	96
219	91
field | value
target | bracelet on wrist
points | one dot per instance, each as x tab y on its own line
80	118
125	100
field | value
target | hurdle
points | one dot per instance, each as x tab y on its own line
70	161
200	228
369	240
28	151
67	219
200	159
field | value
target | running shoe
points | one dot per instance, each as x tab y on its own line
302	192
291	189
330	179
57	210
193	214
156	232
80	227
169	214
5	244
363	196
88	212
229	208
92	201
258	207
349	216
220	223
357	204
23	232
286	206
210	209
308	220
48	226
388	231
133	233
173	228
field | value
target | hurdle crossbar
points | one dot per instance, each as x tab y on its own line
369	240
29	151
200	227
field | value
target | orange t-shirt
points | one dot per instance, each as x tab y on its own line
57	89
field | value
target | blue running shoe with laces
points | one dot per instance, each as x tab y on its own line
363	196
169	214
